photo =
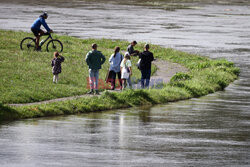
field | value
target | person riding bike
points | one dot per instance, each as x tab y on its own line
36	28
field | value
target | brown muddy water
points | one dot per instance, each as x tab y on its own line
210	131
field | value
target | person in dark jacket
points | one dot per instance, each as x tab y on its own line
56	66
131	50
145	66
36	28
94	59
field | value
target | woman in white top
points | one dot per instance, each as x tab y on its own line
126	71
115	61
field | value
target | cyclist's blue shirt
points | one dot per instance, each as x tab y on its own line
38	22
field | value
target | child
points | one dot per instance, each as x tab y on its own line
126	71
56	66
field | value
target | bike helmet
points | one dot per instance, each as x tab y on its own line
45	14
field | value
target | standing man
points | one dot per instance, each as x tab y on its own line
131	50
145	66
94	59
36	28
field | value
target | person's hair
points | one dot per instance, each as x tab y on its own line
94	46
127	57
146	46
134	42
117	49
56	54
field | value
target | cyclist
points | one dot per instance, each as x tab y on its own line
36	28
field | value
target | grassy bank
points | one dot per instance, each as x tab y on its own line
26	76
205	76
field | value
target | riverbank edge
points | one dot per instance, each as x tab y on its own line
205	76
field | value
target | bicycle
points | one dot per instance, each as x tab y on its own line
28	43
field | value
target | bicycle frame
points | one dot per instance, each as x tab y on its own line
29	43
43	41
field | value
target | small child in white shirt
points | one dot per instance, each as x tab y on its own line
126	71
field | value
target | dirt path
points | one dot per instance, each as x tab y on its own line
165	70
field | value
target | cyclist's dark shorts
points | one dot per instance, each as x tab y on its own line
35	31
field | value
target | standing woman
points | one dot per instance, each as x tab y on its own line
115	61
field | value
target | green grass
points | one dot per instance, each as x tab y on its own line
30	78
26	75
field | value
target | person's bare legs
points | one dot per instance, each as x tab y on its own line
123	84
38	39
55	78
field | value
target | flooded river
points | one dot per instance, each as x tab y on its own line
210	131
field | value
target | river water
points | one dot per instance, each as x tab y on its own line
210	131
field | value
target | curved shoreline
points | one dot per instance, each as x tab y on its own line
204	76
165	71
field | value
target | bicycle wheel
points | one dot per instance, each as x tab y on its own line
28	43
54	45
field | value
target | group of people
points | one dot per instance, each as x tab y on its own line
122	67
119	65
